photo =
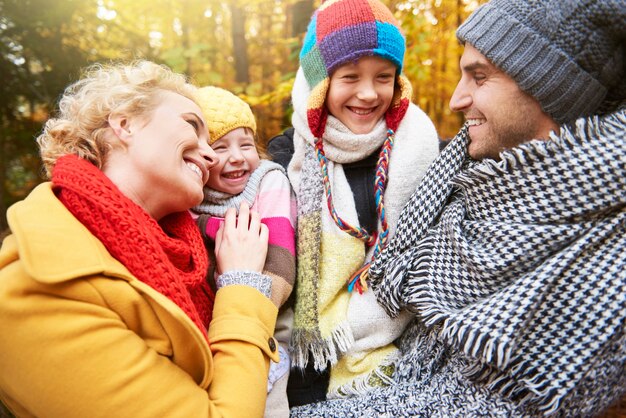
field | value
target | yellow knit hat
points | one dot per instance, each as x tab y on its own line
224	112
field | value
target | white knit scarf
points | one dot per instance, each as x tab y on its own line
521	261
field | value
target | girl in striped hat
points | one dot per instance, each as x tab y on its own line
356	152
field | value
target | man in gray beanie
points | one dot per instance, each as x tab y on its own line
511	252
557	60
568	55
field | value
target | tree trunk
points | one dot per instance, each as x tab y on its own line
301	12
240	45
186	39
3	170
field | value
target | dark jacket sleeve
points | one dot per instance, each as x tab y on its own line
360	176
280	148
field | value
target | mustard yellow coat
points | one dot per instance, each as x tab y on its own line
81	337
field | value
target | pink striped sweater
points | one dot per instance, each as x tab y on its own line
269	193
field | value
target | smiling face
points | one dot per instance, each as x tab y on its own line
237	159
360	93
165	158
500	115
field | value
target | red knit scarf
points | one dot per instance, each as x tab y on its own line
169	256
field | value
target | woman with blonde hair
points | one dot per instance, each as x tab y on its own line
105	309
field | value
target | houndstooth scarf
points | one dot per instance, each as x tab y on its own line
525	269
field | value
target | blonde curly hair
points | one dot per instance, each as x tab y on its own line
81	126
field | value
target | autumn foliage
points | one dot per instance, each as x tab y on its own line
250	47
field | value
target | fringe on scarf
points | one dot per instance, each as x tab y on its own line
396	301
305	343
506	385
379	377
496	366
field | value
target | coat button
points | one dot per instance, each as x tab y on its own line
272	344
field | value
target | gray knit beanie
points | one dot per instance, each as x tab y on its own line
568	54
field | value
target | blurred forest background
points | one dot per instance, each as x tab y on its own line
247	46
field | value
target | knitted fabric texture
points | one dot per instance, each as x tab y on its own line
224	112
340	32
248	278
168	255
268	192
216	203
569	55
429	383
332	325
525	273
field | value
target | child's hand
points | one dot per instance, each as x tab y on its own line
241	241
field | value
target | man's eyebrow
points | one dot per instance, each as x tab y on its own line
199	124
476	65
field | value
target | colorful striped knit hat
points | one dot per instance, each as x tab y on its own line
343	31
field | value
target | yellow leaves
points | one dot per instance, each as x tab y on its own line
281	92
196	37
433	52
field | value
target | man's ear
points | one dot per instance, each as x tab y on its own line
121	127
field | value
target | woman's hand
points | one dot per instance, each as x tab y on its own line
241	241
